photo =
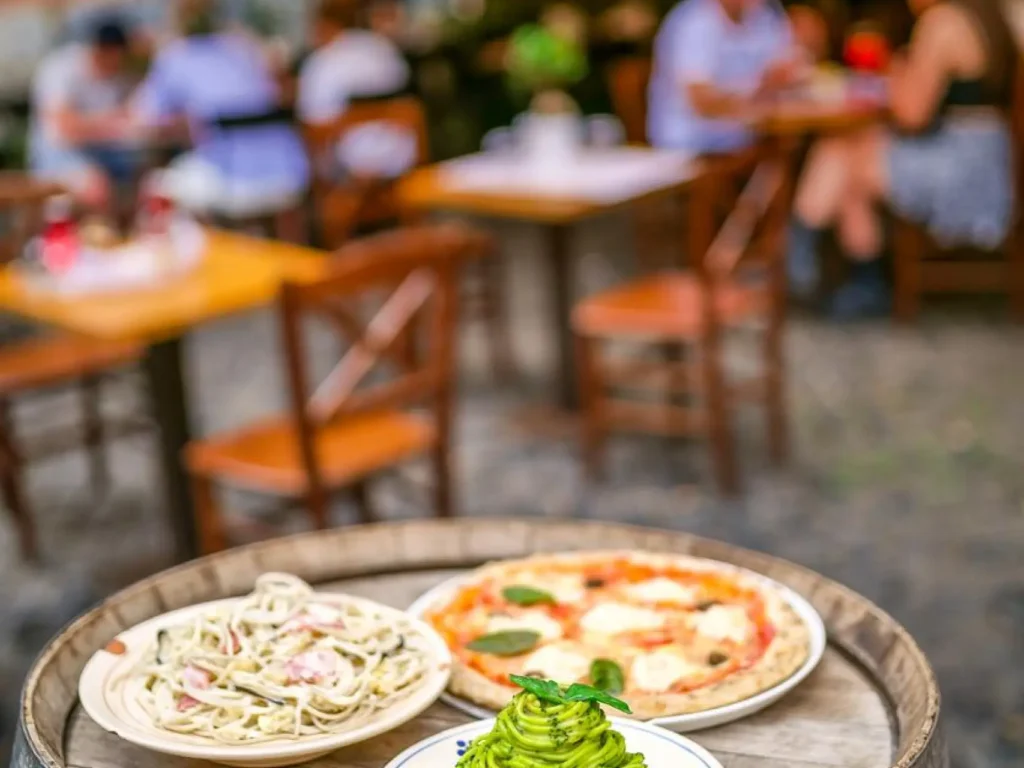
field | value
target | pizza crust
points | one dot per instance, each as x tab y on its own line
788	651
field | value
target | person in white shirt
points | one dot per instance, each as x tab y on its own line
348	63
81	133
712	58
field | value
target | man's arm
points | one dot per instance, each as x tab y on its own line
54	100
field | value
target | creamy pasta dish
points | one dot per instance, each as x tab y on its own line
283	662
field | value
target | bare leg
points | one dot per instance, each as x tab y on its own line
825	182
860	231
860	227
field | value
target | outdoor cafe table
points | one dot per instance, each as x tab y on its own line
872	703
501	186
237	273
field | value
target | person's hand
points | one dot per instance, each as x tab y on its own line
779	75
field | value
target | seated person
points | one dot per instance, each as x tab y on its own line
347	63
810	32
80	133
945	162
208	75
712	58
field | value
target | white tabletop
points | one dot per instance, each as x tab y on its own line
604	176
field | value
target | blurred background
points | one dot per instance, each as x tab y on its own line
904	408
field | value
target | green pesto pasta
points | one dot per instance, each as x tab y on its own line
531	733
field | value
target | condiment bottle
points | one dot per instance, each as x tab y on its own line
59	246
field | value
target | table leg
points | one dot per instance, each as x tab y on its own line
164	371
560	253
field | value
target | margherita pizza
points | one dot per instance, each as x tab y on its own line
671	635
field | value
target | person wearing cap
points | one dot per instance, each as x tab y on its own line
80	132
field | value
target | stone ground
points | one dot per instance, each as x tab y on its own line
907	484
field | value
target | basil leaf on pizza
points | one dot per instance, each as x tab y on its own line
511	643
580	692
545	690
527	595
607	676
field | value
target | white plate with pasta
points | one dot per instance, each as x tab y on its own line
275	678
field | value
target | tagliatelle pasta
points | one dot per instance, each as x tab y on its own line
283	662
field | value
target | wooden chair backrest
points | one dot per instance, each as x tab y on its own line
627	81
1017	131
754	228
404	111
413	273
752	237
343	207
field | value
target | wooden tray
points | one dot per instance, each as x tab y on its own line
873	702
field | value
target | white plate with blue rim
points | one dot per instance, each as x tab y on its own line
694	721
661	748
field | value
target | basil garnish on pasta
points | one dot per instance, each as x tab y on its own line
546	726
607	675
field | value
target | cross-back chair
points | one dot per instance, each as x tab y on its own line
740	280
921	267
47	362
344	208
354	425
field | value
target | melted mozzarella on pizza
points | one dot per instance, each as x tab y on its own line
557	663
723	622
614	618
658	671
534	621
663	590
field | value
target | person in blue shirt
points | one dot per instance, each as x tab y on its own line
712	58
207	75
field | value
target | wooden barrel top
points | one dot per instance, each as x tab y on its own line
872	703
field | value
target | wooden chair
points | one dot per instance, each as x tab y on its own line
48	362
352	428
627	83
344	209
740	280
922	267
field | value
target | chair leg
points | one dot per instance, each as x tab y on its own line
1015	259
723	447
209	521
591	396
908	252
361	493
495	315
11	488
92	428
775	403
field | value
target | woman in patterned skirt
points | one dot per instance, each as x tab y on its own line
944	162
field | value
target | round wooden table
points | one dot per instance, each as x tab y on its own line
800	117
873	702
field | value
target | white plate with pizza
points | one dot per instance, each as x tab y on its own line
690	643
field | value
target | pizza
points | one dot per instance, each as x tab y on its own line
669	634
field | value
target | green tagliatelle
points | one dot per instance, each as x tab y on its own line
531	733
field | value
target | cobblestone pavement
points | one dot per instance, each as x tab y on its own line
907	485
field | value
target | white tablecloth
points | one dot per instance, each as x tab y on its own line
603	176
